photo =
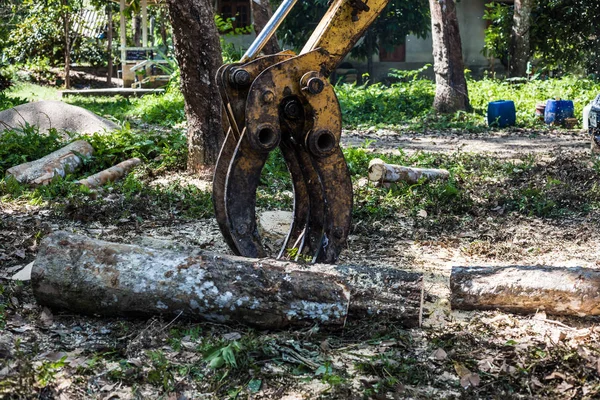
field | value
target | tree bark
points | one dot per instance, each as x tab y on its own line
61	162
520	38
90	276
370	42
261	13
110	174
520	289
65	13
379	171
451	92
198	52
136	26
109	44
163	30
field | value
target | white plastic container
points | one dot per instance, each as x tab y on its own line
586	116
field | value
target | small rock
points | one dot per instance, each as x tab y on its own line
275	225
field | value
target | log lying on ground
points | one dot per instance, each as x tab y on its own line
523	289
111	174
90	276
60	162
379	171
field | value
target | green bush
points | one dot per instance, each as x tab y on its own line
378	104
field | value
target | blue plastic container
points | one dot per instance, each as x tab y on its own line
501	113
557	110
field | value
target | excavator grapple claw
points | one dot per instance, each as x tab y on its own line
285	101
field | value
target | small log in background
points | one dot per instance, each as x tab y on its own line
379	171
111	174
526	289
85	275
61	162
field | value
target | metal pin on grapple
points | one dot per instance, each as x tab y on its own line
285	100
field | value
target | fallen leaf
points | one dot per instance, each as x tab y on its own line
536	382
555	375
486	364
439	354
232	336
564	386
108	388
135	361
461	370
46	318
470	380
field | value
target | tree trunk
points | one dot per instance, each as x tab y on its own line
86	275
136	25
261	13
198	52
109	44
379	171
451	87
370	44
520	40
163	30
565	291
66	29
60	162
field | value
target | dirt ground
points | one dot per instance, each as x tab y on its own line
477	355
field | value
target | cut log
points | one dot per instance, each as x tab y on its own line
379	171
524	289
111	174
61	162
90	276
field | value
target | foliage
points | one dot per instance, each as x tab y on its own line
37	36
398	19
226	28
20	146
395	104
7	101
161	109
564	36
497	34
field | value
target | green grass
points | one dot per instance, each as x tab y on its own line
33	92
409	103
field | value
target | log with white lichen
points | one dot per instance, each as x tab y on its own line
379	171
61	162
111	174
86	275
527	289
